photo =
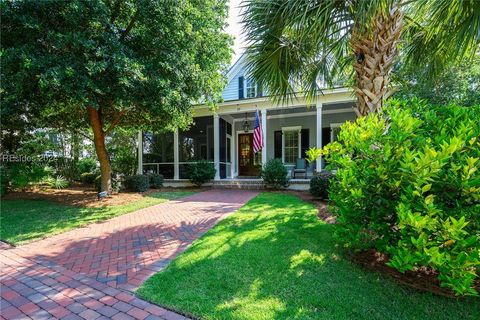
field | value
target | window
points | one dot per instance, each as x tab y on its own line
291	145
250	88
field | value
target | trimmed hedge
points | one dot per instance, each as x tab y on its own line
320	183
275	174
200	172
88	177
137	183
155	180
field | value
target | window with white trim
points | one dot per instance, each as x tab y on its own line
250	88
291	145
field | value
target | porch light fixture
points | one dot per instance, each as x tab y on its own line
246	125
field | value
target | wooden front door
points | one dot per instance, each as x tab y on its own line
248	161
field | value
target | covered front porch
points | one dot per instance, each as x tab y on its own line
225	138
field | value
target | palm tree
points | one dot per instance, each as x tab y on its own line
293	45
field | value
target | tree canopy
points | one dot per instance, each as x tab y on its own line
295	44
134	63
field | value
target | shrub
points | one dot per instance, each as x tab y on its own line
88	177
22	175
86	165
4	183
274	174
408	185
320	183
137	183
155	180
58	182
200	172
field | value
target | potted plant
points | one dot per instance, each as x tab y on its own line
312	155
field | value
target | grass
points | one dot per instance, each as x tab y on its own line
27	220
274	259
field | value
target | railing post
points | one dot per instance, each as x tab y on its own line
140	152
216	145
176	167
319	133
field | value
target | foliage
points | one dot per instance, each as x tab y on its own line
274	259
24	174
200	172
26	220
122	147
58	182
88	177
4	182
275	174
137	183
320	183
408	184
313	154
86	165
110	64
459	84
155	180
296	45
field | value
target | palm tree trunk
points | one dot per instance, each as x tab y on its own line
375	53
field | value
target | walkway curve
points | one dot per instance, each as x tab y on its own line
92	272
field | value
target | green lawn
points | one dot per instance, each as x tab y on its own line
26	220
275	260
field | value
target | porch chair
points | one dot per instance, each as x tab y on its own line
300	168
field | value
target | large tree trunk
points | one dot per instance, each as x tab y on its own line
375	52
99	141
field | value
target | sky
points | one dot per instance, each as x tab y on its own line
234	28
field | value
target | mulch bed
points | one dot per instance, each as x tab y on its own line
84	196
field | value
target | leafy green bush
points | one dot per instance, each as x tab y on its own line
275	174
137	183
24	174
4	182
156	180
58	182
408	184
86	165
200	172
320	183
88	177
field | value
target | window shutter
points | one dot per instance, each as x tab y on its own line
259	91
305	134
277	147
240	88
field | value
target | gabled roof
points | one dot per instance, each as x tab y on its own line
236	67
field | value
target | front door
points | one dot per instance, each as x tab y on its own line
249	163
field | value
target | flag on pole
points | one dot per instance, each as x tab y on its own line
257	134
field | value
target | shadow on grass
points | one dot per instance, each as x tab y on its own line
275	260
26	220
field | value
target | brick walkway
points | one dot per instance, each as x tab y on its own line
91	272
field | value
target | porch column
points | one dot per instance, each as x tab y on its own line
233	162
264	132
140	152
216	145
176	166
319	134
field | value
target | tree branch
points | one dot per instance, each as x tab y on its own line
116	120
129	26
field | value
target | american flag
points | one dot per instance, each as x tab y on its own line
257	134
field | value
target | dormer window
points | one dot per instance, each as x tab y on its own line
250	88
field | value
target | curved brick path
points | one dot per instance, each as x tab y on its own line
91	272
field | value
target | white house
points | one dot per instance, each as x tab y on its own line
225	137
